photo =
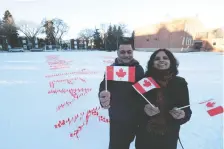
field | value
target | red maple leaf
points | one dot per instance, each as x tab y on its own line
210	104
147	83
121	73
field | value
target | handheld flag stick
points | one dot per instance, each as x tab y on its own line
183	107
205	101
106	80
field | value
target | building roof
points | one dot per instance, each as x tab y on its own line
172	25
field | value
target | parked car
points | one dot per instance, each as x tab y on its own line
16	50
36	50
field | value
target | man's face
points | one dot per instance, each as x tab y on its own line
125	53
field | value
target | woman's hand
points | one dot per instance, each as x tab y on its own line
177	114
150	110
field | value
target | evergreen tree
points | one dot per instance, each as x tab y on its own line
115	38
109	39
97	39
114	30
50	32
119	37
120	32
1	28
115	35
2	39
10	30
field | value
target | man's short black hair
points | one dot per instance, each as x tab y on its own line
126	42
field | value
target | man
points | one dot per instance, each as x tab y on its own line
122	101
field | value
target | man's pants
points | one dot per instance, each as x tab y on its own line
121	134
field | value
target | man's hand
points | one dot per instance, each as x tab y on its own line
105	99
150	110
177	114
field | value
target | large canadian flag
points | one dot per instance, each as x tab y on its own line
145	85
120	73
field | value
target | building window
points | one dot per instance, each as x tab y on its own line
189	41
148	38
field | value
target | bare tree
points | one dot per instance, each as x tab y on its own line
86	34
57	28
30	30
60	29
123	28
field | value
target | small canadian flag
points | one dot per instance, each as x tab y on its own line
121	73
145	85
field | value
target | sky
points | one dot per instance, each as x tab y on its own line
81	14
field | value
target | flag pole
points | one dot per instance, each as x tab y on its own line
106	80
144	97
202	102
183	107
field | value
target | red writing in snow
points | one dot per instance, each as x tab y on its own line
210	104
92	112
55	63
52	57
205	101
59	64
83	71
68	81
108	61
213	111
76	132
76	94
89	113
79	129
71	90
58	67
108	57
79	116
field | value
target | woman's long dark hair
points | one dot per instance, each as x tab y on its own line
173	63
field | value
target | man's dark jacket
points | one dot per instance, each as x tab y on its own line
125	101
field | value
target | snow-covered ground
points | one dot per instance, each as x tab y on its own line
49	99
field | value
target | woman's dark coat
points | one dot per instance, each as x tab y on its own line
175	95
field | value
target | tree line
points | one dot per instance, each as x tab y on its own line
106	37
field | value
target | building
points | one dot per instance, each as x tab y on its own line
178	35
212	39
3	42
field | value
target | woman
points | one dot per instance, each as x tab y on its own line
160	124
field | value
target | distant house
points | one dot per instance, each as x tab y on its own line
185	34
3	43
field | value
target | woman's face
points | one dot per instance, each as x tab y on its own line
161	61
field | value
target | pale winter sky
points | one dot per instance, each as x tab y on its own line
80	14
